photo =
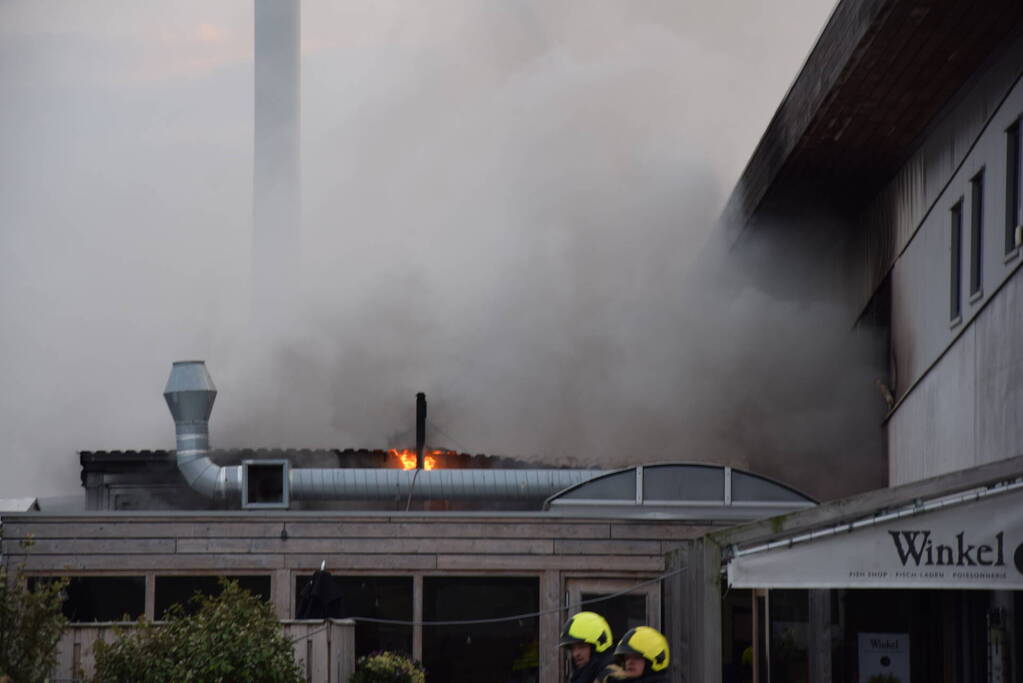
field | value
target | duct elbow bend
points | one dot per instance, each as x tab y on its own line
207	478
204	476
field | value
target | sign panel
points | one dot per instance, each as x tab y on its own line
884	657
969	545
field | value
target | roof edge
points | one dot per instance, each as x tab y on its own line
846	32
847	509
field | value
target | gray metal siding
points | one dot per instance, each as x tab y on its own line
999	375
968	410
958	382
918	190
932	432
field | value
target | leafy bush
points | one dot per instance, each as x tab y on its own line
30	626
387	667
231	637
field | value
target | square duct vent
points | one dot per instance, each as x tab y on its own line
265	484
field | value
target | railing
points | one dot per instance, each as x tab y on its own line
324	649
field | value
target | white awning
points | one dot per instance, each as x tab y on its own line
970	541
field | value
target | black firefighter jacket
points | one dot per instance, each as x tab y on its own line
594	670
614	674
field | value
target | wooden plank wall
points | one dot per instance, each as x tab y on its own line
324	649
74	650
342	643
283	545
265	543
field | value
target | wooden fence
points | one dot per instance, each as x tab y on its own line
324	649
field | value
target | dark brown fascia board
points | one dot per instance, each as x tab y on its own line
847	32
870	503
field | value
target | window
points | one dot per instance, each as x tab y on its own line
376	597
103	598
976	234
737	634
171	590
496	652
789	634
1012	186
641	605
955	262
751	488
617	486
674	483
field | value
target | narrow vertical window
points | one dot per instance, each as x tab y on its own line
1012	186
977	234
955	272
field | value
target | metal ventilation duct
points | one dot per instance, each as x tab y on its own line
190	394
385	484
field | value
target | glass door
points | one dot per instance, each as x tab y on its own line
640	606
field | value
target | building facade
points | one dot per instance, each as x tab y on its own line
463	566
895	160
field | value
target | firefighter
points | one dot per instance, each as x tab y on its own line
641	655
587	639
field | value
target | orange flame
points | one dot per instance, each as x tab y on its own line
407	458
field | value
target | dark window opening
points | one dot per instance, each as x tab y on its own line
264	484
955	263
789	633
622	612
946	631
376	597
1012	186
737	635
500	652
976	232
1017	633
178	590
762	636
102	598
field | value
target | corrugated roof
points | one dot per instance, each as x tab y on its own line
305	457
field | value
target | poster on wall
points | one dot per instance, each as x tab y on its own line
974	544
884	657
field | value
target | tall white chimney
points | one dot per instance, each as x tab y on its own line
276	186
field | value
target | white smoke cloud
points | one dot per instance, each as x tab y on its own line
503	204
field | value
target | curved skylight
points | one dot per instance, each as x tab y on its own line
680	490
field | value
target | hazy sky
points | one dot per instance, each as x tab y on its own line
503	201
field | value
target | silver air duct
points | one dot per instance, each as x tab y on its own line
190	394
385	484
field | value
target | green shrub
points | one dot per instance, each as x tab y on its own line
387	667
30	626
231	637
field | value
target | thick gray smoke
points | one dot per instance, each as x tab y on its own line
506	206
